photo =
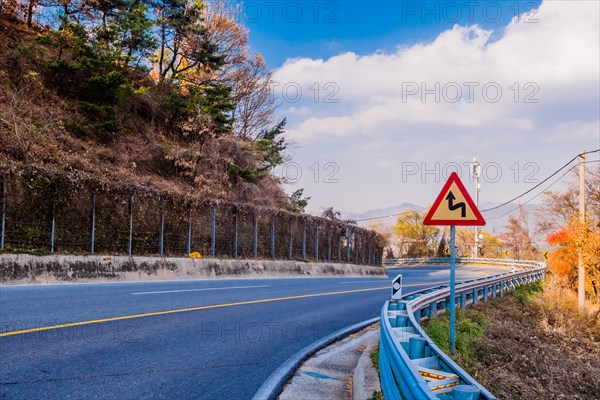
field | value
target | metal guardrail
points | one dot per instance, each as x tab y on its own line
460	260
411	366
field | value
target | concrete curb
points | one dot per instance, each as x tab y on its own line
26	269
365	379
273	386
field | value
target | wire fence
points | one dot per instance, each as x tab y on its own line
45	213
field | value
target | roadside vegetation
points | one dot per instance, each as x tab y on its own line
532	344
162	95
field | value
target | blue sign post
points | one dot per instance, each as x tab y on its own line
453	207
452	290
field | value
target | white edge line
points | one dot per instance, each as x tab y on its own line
201	290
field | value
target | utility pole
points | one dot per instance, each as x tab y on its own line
476	174
581	269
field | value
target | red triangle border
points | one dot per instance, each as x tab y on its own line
458	222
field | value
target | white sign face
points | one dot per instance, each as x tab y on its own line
397	288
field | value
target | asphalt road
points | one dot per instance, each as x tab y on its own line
201	339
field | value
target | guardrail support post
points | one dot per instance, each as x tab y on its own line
432	309
213	231
416	346
3	228
417	315
501	289
93	222
463	300
494	290
475	296
485	294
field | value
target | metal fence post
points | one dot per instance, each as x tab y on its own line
93	221
255	235
52	231
273	238
3	228
356	248
329	245
304	241
213	230
130	211
317	243
235	233
290	249
161	238
189	232
348	231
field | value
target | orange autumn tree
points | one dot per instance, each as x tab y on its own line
563	261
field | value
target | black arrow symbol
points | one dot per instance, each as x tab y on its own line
452	207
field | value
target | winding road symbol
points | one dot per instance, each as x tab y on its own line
452	207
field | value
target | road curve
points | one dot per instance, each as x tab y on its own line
201	339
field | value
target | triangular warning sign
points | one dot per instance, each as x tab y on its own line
454	206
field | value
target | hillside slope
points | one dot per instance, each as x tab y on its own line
60	117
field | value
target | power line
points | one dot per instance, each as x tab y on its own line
536	196
510	201
541	183
387	216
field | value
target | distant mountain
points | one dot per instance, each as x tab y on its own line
384	215
495	219
498	218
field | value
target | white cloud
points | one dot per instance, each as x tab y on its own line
554	62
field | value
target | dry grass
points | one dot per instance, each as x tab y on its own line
559	311
537	346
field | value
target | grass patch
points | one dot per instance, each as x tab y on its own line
377	395
526	293
470	328
374	356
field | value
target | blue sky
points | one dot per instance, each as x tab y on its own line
373	90
320	29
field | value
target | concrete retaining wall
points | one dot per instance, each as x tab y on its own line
24	268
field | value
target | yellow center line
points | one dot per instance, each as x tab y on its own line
181	310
